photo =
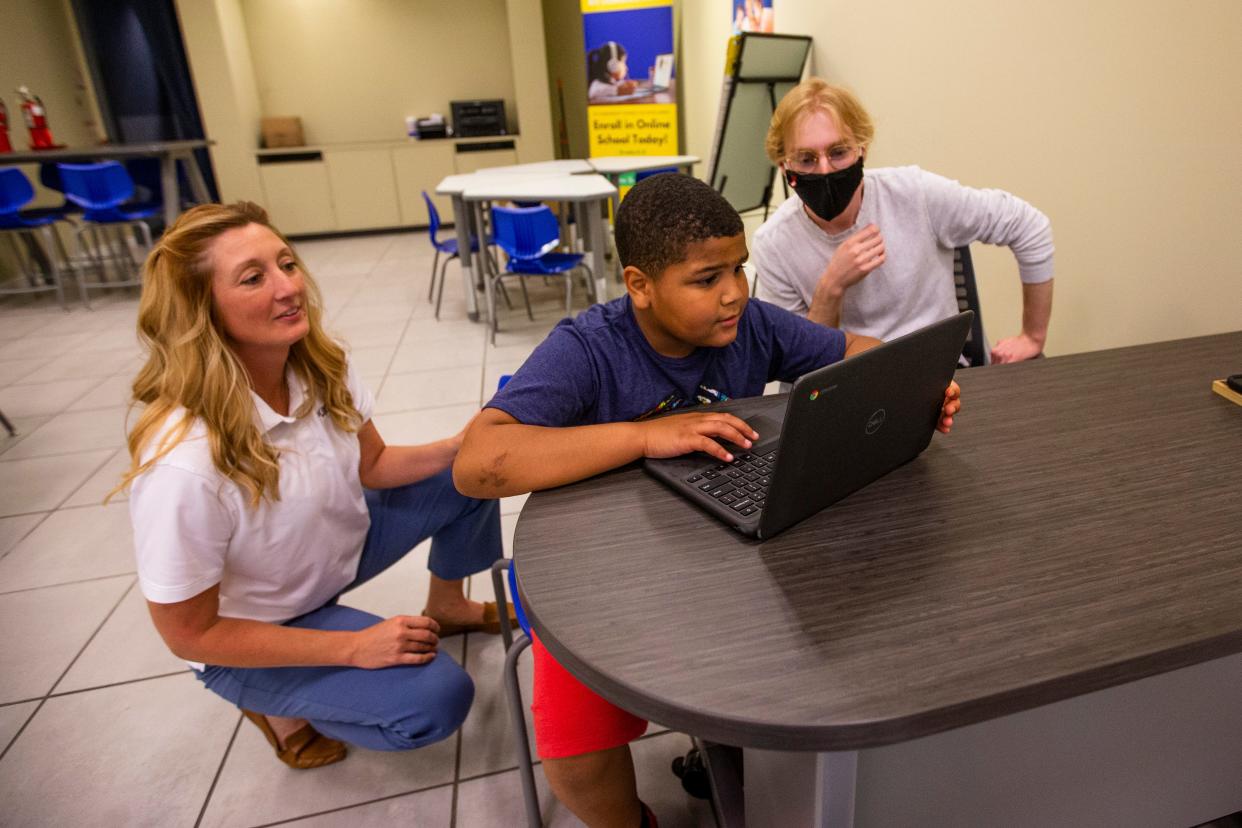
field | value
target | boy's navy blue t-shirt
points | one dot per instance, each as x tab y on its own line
599	368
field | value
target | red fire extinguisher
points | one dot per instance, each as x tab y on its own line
5	146
36	120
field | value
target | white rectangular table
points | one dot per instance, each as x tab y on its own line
564	166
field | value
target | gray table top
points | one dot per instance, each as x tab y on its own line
1080	528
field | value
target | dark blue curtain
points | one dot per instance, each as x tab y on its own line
141	73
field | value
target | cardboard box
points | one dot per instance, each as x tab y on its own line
282	132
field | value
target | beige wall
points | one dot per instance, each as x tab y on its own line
562	25
1121	120
530	80
228	100
354	70
39	49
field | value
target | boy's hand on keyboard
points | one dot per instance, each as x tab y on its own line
952	405
684	433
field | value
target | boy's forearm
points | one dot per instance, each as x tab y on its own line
500	460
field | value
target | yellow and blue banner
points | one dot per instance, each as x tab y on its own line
631	77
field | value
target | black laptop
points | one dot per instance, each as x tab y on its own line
840	428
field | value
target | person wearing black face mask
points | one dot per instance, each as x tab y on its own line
874	252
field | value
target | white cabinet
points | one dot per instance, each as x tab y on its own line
364	192
418	168
373	186
468	162
298	195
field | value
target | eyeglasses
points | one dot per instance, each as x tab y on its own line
807	161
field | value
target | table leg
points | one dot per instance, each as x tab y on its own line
168	182
198	184
461	226
598	247
815	790
484	265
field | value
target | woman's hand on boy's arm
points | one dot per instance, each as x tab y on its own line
952	405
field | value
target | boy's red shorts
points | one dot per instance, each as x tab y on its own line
570	719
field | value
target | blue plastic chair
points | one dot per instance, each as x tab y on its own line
15	193
529	235
102	190
446	246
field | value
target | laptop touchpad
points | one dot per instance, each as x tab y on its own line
769	429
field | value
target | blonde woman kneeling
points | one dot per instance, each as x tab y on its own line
261	490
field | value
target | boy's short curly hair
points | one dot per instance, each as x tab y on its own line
664	214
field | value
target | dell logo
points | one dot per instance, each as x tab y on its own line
876	421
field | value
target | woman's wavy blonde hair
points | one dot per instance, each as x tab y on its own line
190	364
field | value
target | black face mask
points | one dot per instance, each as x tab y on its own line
827	194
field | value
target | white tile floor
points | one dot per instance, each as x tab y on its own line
98	722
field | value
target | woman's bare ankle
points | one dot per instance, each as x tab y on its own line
284	727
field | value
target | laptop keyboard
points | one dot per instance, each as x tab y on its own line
741	485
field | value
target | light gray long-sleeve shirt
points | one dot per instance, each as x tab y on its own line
922	217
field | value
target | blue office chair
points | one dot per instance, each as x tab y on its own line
38	263
639	176
49	176
102	191
529	235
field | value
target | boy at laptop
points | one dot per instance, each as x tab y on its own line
684	335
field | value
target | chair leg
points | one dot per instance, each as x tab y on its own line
590	282
502	599
434	264
517	713
56	278
569	292
526	296
87	256
489	283
4	421
443	276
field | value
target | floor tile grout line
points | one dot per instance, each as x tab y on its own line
118	500
22	729
105	620
465	659
413	792
28	532
64	693
87	479
49	693
4	459
202	812
130	574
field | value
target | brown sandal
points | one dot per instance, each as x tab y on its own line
490	623
305	748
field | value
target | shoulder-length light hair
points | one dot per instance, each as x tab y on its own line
190	364
812	95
